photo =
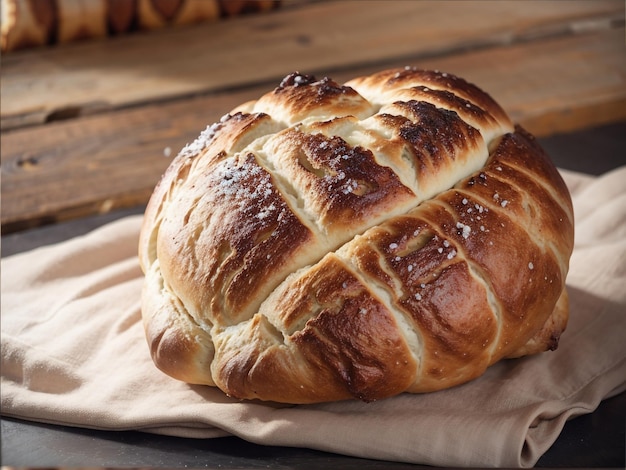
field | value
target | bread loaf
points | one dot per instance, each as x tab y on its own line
393	234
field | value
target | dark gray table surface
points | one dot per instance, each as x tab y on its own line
594	440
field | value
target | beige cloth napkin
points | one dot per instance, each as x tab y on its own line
74	353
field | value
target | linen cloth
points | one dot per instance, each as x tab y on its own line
74	353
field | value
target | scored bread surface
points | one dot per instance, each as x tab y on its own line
393	234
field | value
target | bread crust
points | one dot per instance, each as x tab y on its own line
326	242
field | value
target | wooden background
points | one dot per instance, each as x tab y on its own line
90	127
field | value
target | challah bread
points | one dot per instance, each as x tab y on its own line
326	242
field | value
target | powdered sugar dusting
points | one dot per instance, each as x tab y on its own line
350	186
250	188
204	139
266	212
465	230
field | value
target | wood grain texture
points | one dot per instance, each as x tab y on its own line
78	79
97	163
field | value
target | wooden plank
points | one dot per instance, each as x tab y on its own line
98	163
45	84
552	86
101	162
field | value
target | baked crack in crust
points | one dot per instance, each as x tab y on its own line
393	234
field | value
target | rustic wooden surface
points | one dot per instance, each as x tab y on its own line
320	36
86	127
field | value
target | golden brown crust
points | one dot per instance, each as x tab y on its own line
394	234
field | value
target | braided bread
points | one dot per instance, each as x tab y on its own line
394	234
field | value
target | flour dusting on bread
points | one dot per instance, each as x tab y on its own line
396	233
